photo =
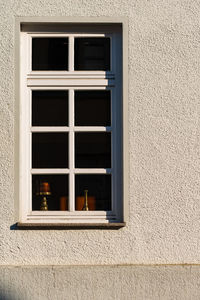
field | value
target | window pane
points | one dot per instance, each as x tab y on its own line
50	150
49	108
50	54
99	192
92	108
92	54
93	150
54	188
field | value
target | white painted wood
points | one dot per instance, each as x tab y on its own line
25	137
68	35
71	54
83	214
93	171
29	147
68	220
49	171
71	74
94	128
58	88
74	171
71	153
49	129
67	80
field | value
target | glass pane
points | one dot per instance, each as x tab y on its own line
92	54
49	108
54	188
93	150
50	150
98	189
49	54
92	108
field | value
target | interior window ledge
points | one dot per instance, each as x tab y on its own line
35	226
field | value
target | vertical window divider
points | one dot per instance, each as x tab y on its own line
30	203
71	152
71	54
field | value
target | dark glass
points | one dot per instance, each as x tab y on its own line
92	54
49	54
50	150
99	191
58	198
92	108
93	150
49	108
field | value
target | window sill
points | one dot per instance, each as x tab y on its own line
63	226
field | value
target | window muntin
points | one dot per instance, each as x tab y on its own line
37	84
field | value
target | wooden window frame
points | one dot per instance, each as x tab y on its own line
71	80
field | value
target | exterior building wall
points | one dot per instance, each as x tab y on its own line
164	160
100	282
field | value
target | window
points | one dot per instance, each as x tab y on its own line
70	132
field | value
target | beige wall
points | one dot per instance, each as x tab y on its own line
100	283
164	140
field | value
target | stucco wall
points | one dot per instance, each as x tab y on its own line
100	283
164	140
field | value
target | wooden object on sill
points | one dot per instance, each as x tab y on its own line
63	203
80	201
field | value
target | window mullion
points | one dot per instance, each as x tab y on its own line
71	53
71	152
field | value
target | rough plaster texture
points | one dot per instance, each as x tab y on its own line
164	140
100	283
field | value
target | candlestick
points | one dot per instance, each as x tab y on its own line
44	191
85	207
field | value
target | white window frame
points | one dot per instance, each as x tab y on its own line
70	80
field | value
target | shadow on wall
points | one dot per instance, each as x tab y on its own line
8	294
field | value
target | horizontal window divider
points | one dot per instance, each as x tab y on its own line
66	82
81	214
69	220
93	171
49	129
58	88
68	75
73	34
92	128
50	171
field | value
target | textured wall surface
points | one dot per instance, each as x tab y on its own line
100	283
164	140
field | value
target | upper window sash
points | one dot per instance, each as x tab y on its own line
27	52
